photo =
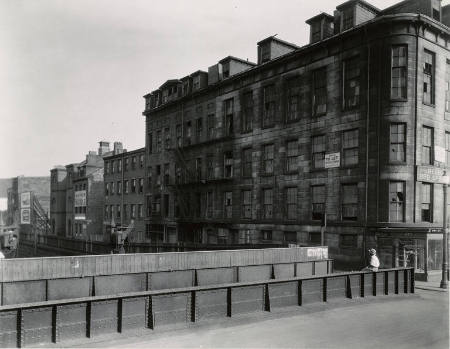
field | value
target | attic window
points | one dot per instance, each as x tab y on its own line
347	18
436	14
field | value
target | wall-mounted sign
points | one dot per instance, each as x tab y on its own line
332	160
25	199
80	198
317	252
25	216
430	174
80	216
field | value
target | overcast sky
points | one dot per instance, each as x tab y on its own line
73	72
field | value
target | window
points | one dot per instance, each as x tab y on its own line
211	126
106	211
318	202
350	202
119	164
118	211
247	115
291	203
291	156
428	77
167	138
228	164
399	69
290	237
292	110
158	141
119	187
150	143
156	205
427	202
176	205
267	195
133	162
149	177
447	149
397	142
246	204
265	53
141	161
348	240
314	238
125	211
351	82
199	129
106	171
141	185
198	204
268	156
166	174
209	166
229	111
350	147
427	145
318	151
266	235
198	169
132	211
112	164
166	205
158	174
269	106
106	189
209	204
447	87
228	204
125	166
319	92
247	163
140	211
178	135
133	185
188	135
347	18
178	173
396	201
125	187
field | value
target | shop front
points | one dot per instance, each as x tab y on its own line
408	247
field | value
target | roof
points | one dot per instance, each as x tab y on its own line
125	153
361	2
169	83
319	16
274	38
232	58
198	72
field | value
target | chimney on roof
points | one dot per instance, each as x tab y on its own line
103	147
118	148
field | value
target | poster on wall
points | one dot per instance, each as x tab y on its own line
25	199
25	216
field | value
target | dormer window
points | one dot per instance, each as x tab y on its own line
347	18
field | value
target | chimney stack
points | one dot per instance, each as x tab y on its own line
103	148
118	148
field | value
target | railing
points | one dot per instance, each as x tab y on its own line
48	322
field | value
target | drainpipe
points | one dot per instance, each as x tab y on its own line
367	153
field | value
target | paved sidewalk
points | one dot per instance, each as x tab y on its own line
430	285
419	320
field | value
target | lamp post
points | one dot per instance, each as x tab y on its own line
444	281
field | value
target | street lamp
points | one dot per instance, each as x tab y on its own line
444	281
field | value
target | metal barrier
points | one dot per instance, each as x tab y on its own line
58	321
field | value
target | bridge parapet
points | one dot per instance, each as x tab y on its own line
58	321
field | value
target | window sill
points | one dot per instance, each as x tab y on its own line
429	104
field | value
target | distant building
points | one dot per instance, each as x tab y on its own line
356	124
124	177
77	197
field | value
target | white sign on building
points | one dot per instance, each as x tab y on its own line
25	216
80	198
25	199
332	160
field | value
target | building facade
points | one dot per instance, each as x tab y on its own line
77	197
354	126
124	176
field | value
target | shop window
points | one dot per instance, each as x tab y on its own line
397	142
399	70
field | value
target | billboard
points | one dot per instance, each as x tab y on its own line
25	200
80	198
25	216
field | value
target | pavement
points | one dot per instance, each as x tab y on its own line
419	320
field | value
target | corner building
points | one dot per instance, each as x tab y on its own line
356	124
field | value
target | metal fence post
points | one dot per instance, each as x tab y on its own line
229	302
88	319
300	293
193	306
150	319
55	334
324	288
119	314
20	334
266	298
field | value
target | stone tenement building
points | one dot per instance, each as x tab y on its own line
356	124
124	192
77	196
